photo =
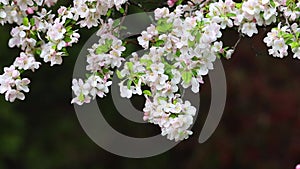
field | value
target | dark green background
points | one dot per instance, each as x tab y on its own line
260	128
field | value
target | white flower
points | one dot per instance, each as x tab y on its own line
211	33
26	62
18	37
81	90
124	91
251	7
279	49
157	68
118	3
296	52
249	29
13	94
161	13
51	55
195	85
56	31
144	39
268	13
22	85
177	129
5	83
229	53
118	47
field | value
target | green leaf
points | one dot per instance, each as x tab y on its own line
116	23
68	21
104	48
187	76
168	70
289	41
140	74
195	58
272	3
147	92
101	49
191	43
179	2
163	26
67	39
183	64
173	115
178	53
68	28
129	83
25	21
54	47
119	74
105	70
38	51
287	36
175	101
32	21
109	12
294	45
159	43
130	66
162	98
147	62
136	81
70	33
122	11
238	5
194	71
33	34
229	15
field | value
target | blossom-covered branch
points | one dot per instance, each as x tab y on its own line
183	45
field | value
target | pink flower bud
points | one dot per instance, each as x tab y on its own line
171	3
29	11
298	166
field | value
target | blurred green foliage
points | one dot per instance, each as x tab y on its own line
259	130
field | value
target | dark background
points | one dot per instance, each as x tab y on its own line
260	128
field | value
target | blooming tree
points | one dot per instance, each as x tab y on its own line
180	48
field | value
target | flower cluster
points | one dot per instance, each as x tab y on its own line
103	57
283	37
181	52
90	11
41	34
164	106
172	115
13	11
287	33
182	48
12	84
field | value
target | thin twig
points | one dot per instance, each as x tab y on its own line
238	41
288	23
